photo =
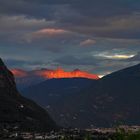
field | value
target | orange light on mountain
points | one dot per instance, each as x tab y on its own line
60	73
19	73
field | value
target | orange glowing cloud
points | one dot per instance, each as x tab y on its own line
19	73
46	33
51	32
60	73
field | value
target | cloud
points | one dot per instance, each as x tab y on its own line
88	42
117	19
119	56
117	27
51	32
110	18
24	7
24	64
46	33
55	30
135	58
115	56
21	22
73	60
13	28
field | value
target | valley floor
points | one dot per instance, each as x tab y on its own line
118	133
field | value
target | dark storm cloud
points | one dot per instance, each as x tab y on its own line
19	62
14	63
22	7
73	60
86	8
99	18
96	7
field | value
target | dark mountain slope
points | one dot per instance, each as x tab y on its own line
51	94
55	90
16	110
111	100
24	82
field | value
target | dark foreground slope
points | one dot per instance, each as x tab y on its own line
49	92
52	93
18	111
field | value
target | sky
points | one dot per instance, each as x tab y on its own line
98	36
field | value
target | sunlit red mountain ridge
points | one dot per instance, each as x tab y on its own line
58	73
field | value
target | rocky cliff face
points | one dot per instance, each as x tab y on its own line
7	81
17	111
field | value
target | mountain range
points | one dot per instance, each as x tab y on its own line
28	78
111	100
19	112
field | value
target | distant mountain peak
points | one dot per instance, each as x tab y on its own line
76	70
1	62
